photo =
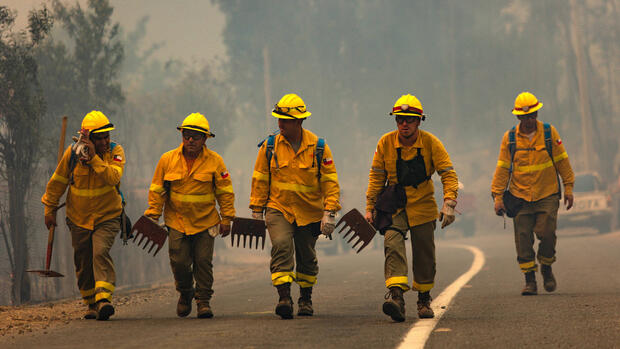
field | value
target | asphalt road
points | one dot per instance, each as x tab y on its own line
488	311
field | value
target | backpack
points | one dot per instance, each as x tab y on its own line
271	141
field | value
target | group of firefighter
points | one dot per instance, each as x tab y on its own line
295	190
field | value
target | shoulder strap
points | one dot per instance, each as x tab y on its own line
512	144
320	150
112	145
548	141
271	141
512	147
549	147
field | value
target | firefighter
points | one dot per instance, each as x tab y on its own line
187	182
406	158
530	157
92	169
295	186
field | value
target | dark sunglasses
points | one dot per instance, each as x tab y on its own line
410	119
194	135
96	137
527	116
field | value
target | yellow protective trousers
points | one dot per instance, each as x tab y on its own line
94	267
423	253
540	218
292	248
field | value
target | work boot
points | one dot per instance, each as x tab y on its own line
548	278
285	303
184	305
530	288
203	310
91	312
424	305
305	302
394	306
104	310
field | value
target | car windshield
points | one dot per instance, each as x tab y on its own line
585	183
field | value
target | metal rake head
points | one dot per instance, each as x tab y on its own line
47	273
355	224
151	231
247	227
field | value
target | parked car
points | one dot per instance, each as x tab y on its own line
592	206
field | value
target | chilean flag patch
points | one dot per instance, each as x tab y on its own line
327	162
224	174
117	158
559	141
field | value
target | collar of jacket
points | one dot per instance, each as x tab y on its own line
200	159
417	144
539	126
307	139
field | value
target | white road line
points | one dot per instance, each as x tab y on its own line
421	330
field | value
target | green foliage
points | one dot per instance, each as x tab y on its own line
81	73
21	109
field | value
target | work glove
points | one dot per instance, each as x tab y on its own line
446	215
328	223
257	215
224	229
80	148
214	230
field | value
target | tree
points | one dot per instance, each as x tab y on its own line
81	73
22	107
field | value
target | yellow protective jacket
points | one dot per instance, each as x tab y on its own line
190	204
295	189
534	176
421	206
92	197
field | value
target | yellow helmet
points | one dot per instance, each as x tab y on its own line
96	122
408	105
526	103
196	122
291	106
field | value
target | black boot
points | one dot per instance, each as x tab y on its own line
424	305
305	302
184	304
285	303
394	306
530	288
548	278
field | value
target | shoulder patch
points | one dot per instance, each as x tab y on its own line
117	158
559	141
224	174
327	162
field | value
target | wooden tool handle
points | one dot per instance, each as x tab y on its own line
50	245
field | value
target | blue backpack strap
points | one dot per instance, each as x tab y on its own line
271	142
512	145
112	145
548	140
320	149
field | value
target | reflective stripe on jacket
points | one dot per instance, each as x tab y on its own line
533	177
92	198
421	206
295	189
190	205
